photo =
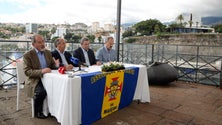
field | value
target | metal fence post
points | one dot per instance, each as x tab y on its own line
197	68
220	81
152	56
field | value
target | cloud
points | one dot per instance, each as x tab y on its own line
105	11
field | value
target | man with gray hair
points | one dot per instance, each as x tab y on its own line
60	54
106	53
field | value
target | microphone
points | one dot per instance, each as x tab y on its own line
74	60
77	62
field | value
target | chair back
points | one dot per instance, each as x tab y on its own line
20	79
20	73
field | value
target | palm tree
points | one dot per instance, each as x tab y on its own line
53	30
180	19
190	23
184	24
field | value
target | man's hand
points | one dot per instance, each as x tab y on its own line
46	70
98	63
56	62
69	67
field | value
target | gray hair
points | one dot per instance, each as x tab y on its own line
33	38
108	38
83	40
57	41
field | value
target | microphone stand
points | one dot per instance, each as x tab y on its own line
80	67
81	63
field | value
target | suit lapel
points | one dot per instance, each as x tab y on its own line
82	55
58	55
67	56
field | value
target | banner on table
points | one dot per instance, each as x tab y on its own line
112	93
104	93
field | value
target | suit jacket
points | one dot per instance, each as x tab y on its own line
67	55
78	53
32	69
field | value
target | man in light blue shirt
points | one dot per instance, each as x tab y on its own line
106	53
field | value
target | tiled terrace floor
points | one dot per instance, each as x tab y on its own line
180	103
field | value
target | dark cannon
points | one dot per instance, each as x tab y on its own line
161	73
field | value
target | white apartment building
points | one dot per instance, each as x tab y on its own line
31	28
60	32
95	26
109	27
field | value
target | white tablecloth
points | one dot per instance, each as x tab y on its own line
64	93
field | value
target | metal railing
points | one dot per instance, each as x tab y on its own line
195	63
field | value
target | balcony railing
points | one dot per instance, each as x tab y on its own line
199	64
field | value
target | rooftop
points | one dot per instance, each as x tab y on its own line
179	103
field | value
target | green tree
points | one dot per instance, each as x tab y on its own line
218	28
21	29
53	30
68	36
54	38
100	39
127	33
91	38
148	27
180	18
184	24
45	34
72	37
76	38
157	29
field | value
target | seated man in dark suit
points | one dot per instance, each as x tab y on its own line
60	54
85	55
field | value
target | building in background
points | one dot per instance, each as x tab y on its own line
31	28
60	32
109	27
79	29
95	27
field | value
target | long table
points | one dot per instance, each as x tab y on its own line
64	94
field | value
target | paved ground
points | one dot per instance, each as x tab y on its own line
179	103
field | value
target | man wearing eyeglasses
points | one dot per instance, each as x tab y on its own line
107	53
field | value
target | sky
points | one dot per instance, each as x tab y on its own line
103	11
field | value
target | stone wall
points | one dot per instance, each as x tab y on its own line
214	39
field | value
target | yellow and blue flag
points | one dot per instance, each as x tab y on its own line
105	93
